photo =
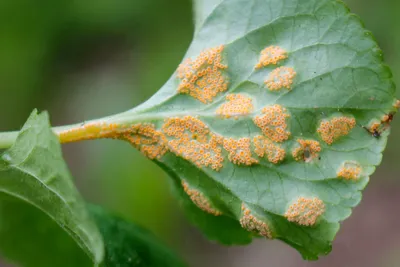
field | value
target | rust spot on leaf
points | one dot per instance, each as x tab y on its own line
193	141
202	78
350	170
305	211
265	147
200	200
253	224
237	105
239	151
273	123
331	130
307	150
271	55
280	78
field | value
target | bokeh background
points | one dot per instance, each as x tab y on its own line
86	59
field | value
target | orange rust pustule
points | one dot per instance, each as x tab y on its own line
200	200
305	211
331	130
273	123
149	141
384	123
191	139
237	105
280	78
239	151
271	55
185	126
202	78
253	224
374	126
307	150
377	127
350	170
265	147
145	137
396	104
387	118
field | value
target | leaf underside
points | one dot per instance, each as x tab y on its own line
331	72
270	127
42	216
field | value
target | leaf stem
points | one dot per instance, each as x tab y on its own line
93	129
66	134
7	139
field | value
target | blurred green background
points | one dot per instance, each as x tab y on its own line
86	59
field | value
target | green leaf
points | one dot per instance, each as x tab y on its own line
127	244
275	119
223	229
40	208
31	239
202	9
